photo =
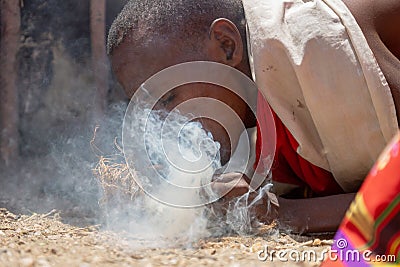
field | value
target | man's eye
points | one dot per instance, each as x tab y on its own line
168	99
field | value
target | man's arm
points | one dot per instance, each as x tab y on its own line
314	215
379	22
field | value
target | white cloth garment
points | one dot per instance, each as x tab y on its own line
312	62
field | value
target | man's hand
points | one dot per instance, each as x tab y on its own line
234	185
321	214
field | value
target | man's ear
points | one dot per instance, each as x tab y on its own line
225	43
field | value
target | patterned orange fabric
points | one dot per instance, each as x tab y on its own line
372	222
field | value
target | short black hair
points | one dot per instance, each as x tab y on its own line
180	18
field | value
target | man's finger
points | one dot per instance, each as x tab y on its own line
227	177
232	189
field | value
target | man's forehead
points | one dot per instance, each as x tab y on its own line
133	63
132	53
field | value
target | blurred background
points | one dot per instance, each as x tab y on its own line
56	87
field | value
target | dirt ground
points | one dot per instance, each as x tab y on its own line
43	240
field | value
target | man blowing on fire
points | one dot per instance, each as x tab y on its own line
329	69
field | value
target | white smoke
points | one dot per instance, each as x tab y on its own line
173	160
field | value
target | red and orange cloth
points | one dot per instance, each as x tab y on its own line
372	222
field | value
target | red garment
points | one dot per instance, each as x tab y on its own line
289	167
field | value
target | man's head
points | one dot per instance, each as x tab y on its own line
149	36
